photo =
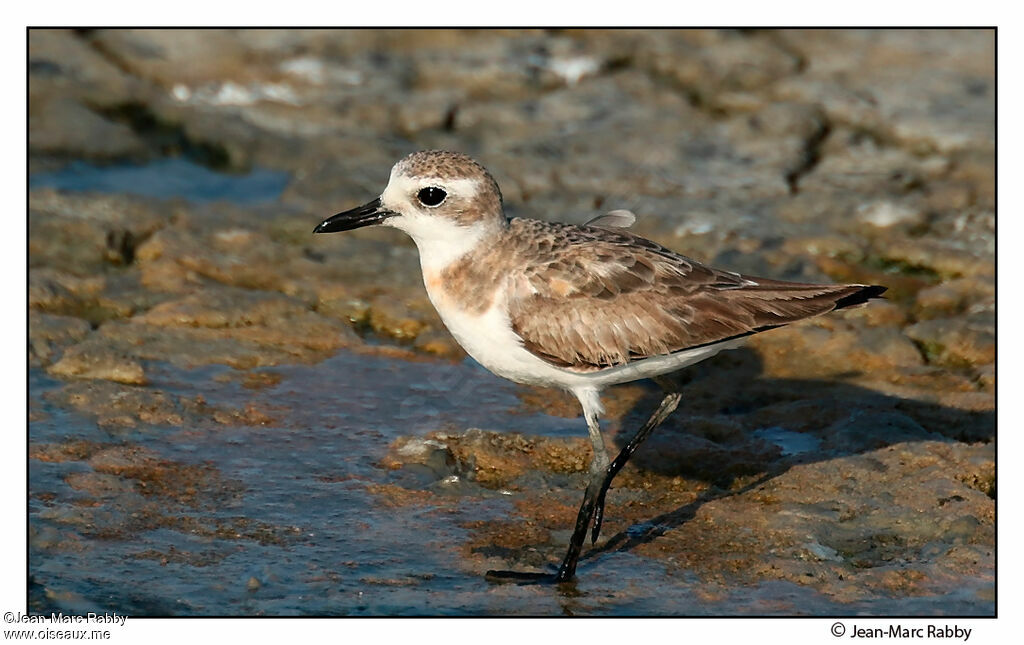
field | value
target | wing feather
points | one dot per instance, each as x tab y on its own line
589	298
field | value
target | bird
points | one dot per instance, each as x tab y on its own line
575	307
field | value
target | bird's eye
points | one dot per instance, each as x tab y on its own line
431	196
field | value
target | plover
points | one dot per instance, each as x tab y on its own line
570	306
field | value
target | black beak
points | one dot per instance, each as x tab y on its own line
365	215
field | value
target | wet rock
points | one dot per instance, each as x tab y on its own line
394	496
253	380
71	450
432	110
432	453
971	179
944	258
862	431
130	490
71	86
54	291
120	406
65	127
961	295
82	518
806	414
222	307
62	60
397	319
987	376
440	343
409	581
236	327
858	180
339	301
951	342
544	128
807	350
250	415
166	56
742	62
617	401
522	543
980	472
822	552
99	484
672	453
870	78
48	335
95	299
779	134
153	476
245	348
880	313
493	459
85	234
176	556
35	411
93	359
52	539
821	245
173	259
498	68
334	275
858	531
115	404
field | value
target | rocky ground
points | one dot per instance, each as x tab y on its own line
850	458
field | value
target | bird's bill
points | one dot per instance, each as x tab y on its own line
365	215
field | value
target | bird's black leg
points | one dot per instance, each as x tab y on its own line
567	571
592	509
668	405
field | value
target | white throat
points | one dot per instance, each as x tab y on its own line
440	241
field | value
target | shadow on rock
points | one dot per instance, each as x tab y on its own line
828	484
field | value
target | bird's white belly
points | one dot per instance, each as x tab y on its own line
489	339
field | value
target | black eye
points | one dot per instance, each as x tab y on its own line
431	196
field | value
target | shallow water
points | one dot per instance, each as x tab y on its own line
166	178
313	538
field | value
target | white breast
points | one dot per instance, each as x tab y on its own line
489	339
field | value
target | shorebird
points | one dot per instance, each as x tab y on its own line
574	307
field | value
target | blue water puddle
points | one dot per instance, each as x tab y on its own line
791	443
167	178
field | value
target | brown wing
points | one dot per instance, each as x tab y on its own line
607	297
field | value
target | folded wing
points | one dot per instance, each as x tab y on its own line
607	297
